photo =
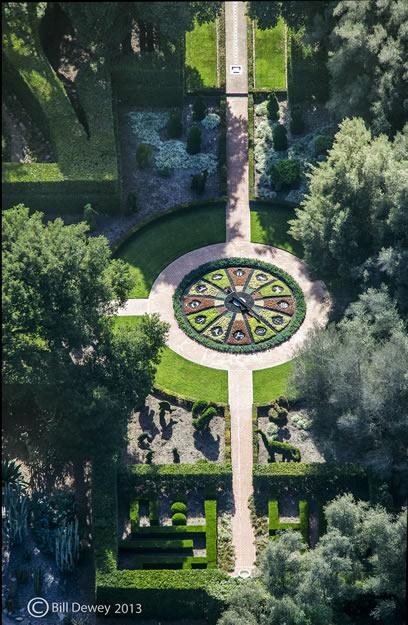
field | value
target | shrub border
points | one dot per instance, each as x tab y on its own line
283	336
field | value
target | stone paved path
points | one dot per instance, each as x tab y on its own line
238	243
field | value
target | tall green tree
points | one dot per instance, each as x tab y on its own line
354	379
70	380
356	573
369	63
355	210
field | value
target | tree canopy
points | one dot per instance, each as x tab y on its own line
355	572
69	379
353	224
368	63
354	379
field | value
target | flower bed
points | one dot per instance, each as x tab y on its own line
302	151
168	179
239	305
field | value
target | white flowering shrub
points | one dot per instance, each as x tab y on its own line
263	132
169	154
173	154
272	431
211	121
262	108
146	126
301	422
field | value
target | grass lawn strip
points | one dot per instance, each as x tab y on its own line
201	55
269	225
269	384
270	58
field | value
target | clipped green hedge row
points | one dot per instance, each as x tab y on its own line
276	525
275	340
323	479
170	529
161	545
179	594
210	509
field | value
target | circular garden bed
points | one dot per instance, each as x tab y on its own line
239	305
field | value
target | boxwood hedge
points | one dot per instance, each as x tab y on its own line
277	339
85	170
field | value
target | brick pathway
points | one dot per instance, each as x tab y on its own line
238	243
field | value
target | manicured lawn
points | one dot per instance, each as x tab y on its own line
156	245
201	56
269	384
178	376
269	225
182	377
270	58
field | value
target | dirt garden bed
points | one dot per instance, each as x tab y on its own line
174	431
291	432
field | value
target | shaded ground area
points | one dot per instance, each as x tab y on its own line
174	437
22	140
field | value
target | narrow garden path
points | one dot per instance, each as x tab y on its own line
238	244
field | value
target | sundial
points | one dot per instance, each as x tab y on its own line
238	308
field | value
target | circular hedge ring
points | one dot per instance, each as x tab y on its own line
239	305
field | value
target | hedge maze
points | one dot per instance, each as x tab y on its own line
171	546
165	576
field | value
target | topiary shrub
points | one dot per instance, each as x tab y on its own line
144	439
174	125
90	216
178	506
131	203
143	155
199	109
198	407
285	174
179	519
204	419
297	123
277	414
194	140
198	182
272	107
322	144
280	139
